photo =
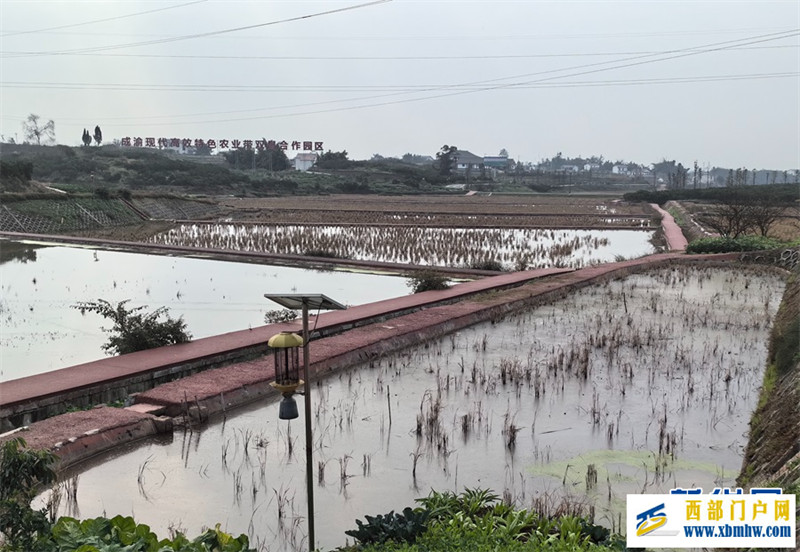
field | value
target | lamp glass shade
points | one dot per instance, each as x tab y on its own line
286	352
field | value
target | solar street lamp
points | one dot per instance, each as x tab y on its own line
304	302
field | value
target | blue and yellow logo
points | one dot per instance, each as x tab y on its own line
650	520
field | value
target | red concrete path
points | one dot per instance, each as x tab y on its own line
222	388
90	374
676	241
218	389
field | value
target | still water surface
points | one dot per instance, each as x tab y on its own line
650	379
40	331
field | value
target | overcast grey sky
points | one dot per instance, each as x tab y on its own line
717	82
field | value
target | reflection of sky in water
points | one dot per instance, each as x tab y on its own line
40	332
186	480
421	245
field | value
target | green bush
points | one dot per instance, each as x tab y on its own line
729	245
134	331
16	170
123	533
405	527
23	473
787	347
279	316
475	520
325	253
490	264
103	193
427	280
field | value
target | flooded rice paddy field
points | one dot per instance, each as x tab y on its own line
41	332
453	247
640	384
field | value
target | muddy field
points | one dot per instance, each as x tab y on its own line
494	248
542	212
472	211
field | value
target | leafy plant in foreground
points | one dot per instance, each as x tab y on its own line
107	535
134	330
405	527
476	520
22	474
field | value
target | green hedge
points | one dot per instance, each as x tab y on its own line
477	520
780	193
730	245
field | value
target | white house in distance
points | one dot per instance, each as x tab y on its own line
304	161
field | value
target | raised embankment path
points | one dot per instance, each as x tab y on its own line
257	257
676	241
374	329
28	399
79	435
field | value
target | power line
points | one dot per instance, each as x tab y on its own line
720	46
382	58
48	29
365	88
636	60
495	84
470	38
207	34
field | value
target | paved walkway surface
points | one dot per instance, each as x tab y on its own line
218	390
676	241
79	435
120	367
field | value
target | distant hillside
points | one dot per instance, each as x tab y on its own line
110	167
114	169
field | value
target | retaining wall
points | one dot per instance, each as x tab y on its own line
27	400
221	389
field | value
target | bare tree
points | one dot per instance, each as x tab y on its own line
730	219
34	130
740	214
764	213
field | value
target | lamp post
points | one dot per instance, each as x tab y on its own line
304	302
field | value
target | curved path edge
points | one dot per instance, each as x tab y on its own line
676	241
194	398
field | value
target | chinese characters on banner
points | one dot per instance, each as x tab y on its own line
306	145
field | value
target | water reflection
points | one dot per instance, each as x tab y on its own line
17	251
41	332
652	395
